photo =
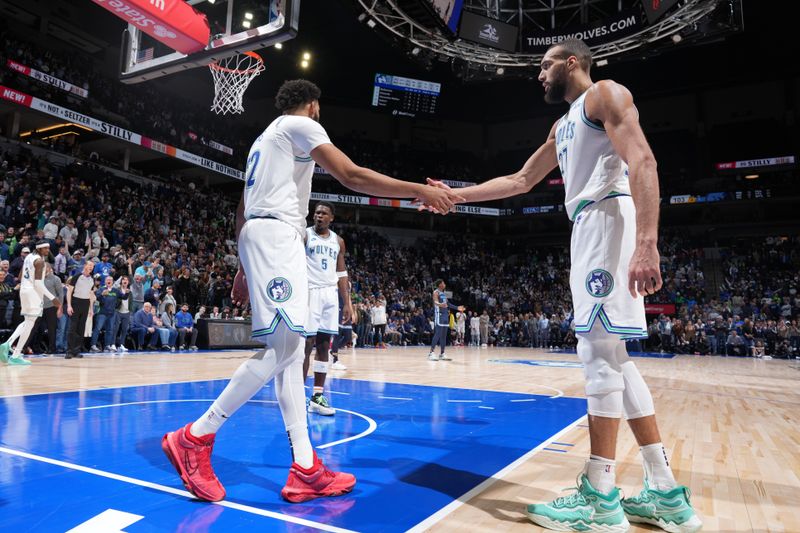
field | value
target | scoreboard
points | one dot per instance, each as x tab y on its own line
405	97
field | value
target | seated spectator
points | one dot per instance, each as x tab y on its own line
735	344
166	328
215	313
185	325
143	327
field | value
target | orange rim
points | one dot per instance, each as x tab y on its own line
256	68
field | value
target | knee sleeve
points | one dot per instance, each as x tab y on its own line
604	379
637	402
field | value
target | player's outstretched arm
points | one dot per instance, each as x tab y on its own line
368	181
532	172
612	104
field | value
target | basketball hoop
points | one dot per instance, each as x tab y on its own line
231	76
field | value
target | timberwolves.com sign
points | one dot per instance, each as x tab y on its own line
605	31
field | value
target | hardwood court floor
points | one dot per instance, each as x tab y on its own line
730	424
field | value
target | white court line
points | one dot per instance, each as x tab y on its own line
394	398
465	401
177	492
485	407
372	427
371	423
525	400
337	392
455	504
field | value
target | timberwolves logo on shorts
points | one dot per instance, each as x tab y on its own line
279	290
599	283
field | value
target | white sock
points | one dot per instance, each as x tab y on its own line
656	467
601	473
292	400
246	381
23	331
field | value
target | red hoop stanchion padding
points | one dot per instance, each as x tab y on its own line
231	76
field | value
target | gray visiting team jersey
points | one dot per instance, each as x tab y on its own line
591	169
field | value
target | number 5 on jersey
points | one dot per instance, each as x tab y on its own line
252	164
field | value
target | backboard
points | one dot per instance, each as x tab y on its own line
237	26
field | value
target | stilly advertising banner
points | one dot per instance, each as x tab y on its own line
26	100
605	31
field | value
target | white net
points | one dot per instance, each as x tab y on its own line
231	76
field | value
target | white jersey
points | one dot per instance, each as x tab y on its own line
321	256
28	273
279	170
461	319
591	169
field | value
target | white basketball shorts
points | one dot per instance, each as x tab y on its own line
323	311
274	261
603	241
31	303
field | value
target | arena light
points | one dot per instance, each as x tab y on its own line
248	16
501	71
304	63
415	51
246	23
306	56
601	62
751	177
371	23
278	46
676	38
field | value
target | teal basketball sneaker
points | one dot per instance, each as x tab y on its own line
584	510
670	510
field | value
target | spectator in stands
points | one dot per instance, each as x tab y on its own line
215	313
61	261
50	231
143	327
69	233
166	328
137	293
153	294
123	318
7	294
16	264
104	268
167	299
185	325
735	344
99	240
108	298
201	313
5	255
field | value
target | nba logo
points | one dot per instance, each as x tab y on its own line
279	290
599	283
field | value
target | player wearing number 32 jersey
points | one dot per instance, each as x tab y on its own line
270	228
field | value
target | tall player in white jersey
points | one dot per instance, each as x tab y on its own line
327	281
32	292
270	228
612	198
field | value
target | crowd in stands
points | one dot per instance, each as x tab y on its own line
160	254
140	108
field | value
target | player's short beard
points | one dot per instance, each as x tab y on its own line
558	87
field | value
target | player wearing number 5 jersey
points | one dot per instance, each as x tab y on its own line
327	283
270	228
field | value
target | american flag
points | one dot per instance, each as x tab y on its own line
145	55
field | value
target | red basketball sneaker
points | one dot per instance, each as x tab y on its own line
315	482
191	457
